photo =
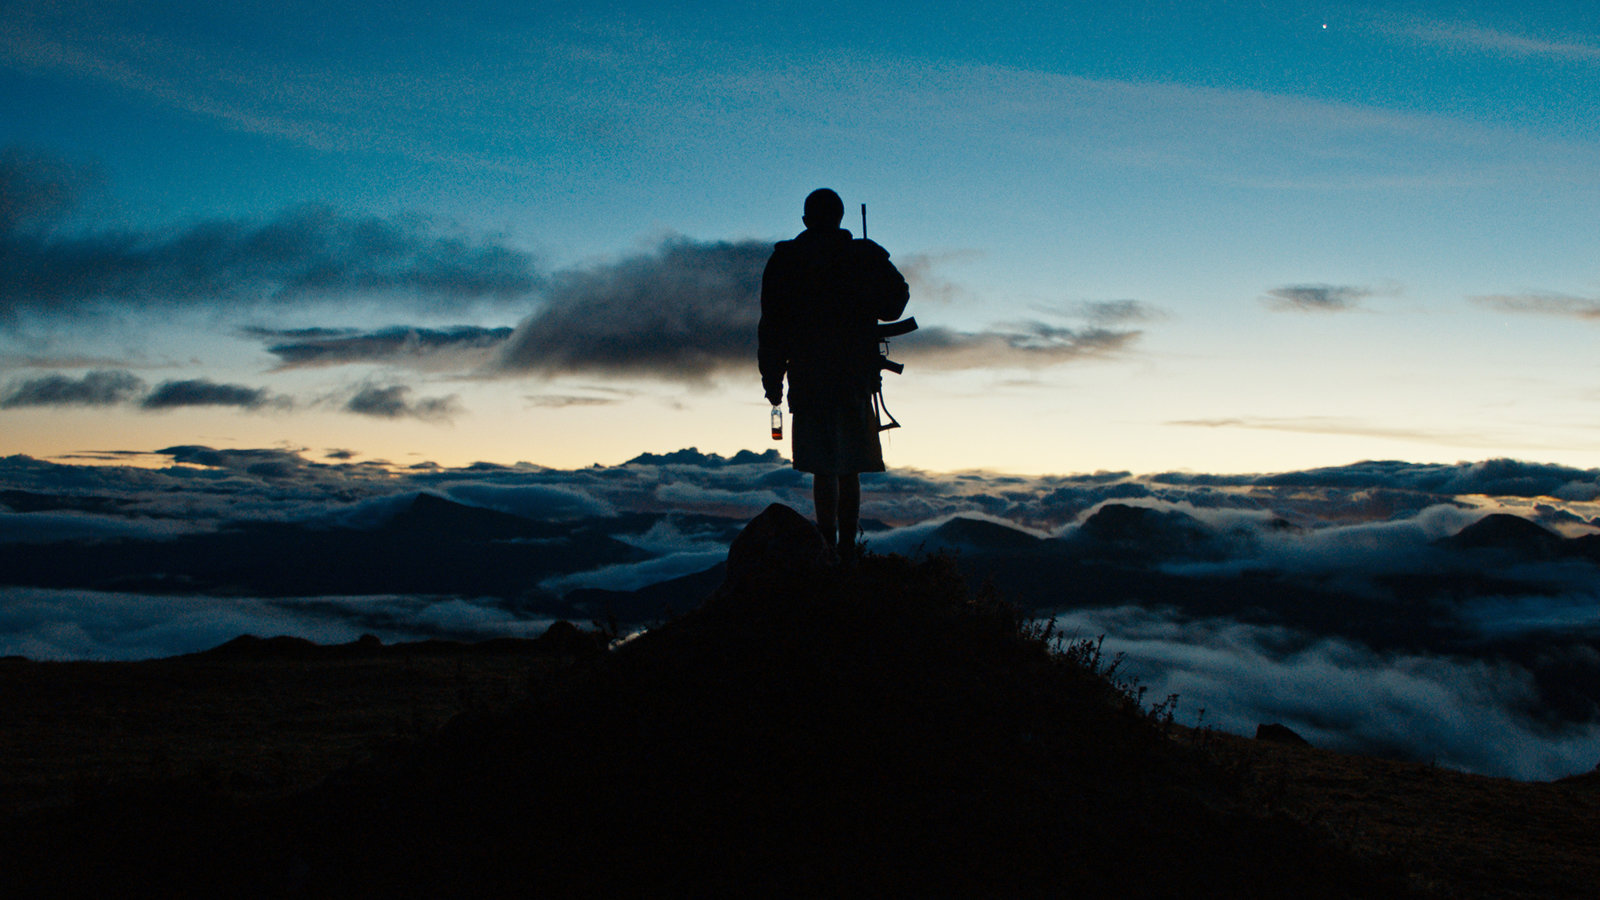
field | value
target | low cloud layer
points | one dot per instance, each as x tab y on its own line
1472	715
44	624
1479	686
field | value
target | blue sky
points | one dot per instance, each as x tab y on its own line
1213	236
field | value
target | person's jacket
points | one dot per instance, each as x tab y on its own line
822	295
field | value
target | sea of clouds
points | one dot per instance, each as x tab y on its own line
1347	528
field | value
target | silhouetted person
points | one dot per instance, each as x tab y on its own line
822	295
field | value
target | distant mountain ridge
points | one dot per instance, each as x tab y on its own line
432	546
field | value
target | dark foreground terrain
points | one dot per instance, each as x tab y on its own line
807	732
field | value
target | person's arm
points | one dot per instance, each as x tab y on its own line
772	334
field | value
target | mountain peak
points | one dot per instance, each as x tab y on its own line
982	534
1147	532
430	514
1508	533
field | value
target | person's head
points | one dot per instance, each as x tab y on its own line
824	210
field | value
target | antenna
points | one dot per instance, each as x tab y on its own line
863	221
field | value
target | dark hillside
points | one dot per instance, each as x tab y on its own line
828	734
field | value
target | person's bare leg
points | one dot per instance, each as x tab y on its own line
825	497
849	515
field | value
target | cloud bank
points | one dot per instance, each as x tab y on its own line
1329	599
44	624
114	388
689	309
302	256
1472	715
683	311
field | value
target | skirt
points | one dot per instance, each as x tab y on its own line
837	439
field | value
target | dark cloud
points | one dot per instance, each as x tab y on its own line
100	388
1544	304
1316	297
204	392
394	402
1101	477
304	254
108	388
1026	345
464	346
680	312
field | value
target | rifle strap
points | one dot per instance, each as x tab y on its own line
880	410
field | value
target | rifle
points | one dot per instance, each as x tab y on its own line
886	330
